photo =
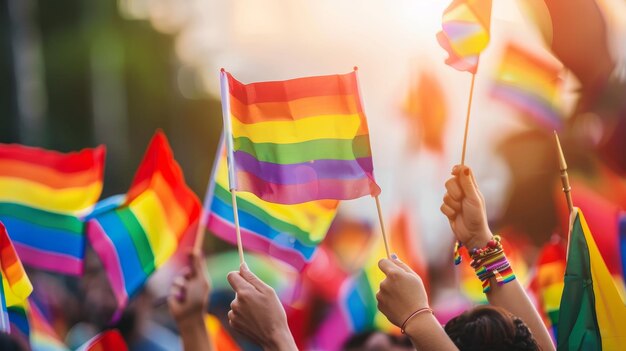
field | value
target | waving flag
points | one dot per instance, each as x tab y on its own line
465	33
592	314
138	237
298	140
289	233
107	340
530	84
42	194
15	283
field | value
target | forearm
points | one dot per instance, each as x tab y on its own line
427	334
282	340
194	335
512	297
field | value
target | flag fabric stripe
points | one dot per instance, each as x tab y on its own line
343	127
40	174
72	162
255	242
290	233
622	239
51	261
258	219
293	89
294	109
303	172
105	341
15	283
545	114
32	218
5	325
142	233
304	192
322	115
320	149
255	225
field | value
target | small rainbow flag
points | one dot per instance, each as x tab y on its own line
221	340
15	283
530	84
105	341
290	233
138	237
465	32
42	194
592	313
298	140
547	281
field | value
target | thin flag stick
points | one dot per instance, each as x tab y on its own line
382	225
380	212
233	196
467	117
197	245
228	135
564	176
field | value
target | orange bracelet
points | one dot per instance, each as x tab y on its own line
424	309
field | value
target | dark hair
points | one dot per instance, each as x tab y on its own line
490	328
9	343
358	341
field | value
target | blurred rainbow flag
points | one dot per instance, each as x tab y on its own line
135	239
105	341
592	313
466	25
34	329
547	280
16	286
290	233
298	140
530	84
221	340
42	194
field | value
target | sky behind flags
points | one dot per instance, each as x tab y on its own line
138	237
465	32
290	233
42	195
299	140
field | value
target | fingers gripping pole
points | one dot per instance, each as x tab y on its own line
382	226
233	195
467	118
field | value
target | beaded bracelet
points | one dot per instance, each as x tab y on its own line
488	262
420	310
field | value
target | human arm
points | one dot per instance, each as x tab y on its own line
402	293
188	301
257	312
464	206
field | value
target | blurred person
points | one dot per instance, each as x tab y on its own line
378	341
9	343
403	300
188	301
257	313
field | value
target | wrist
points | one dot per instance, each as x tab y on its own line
281	340
190	321
421	324
479	240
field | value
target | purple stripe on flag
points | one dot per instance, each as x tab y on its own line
47	260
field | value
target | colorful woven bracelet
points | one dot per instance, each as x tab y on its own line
490	262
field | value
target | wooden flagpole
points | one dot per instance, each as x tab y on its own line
564	176
233	195
467	116
378	207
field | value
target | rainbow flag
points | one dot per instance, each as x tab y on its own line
15	283
622	240
547	282
138	237
33	328
290	233
465	33
592	314
530	84
42	195
298	140
105	341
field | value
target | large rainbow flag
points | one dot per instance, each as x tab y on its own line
592	314
466	25
298	140
290	233
42	195
15	283
138	237
530	84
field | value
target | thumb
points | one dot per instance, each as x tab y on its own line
401	264
251	277
468	185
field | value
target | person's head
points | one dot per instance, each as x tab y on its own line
377	341
490	328
9	343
